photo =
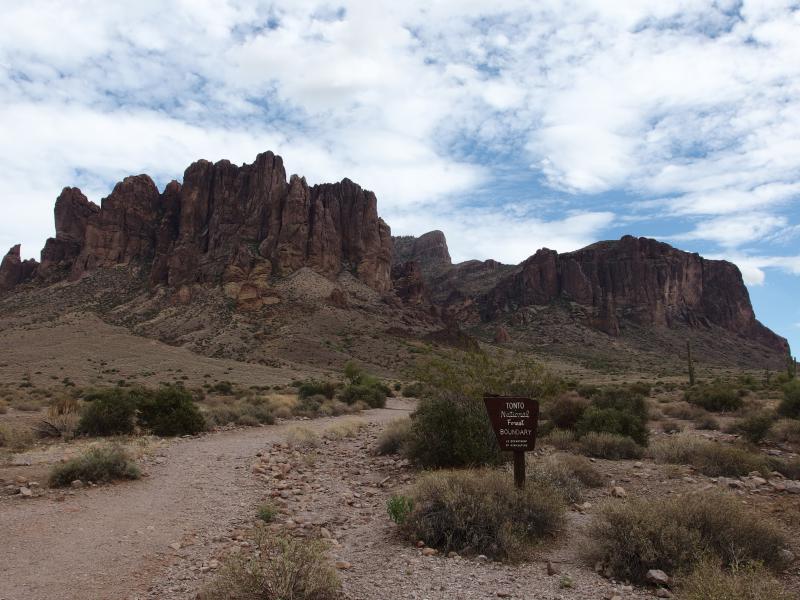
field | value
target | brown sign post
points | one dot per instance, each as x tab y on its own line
514	421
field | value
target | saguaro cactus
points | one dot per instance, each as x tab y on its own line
690	361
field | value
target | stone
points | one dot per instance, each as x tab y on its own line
175	545
343	565
552	569
657	577
663	593
618	492
429	552
26	492
786	556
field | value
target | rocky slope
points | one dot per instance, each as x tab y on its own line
254	237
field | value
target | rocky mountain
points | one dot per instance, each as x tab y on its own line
244	229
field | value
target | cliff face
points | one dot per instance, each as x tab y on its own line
638	279
225	224
14	270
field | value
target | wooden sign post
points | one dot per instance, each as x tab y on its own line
514	421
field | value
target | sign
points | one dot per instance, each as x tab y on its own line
514	421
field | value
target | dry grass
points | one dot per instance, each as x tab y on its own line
282	568
785	431
102	464
302	438
481	512
15	437
282	405
609	445
560	439
710	458
567	473
394	436
676	534
683	410
748	582
348	428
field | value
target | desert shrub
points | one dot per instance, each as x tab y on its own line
281	405
110	411
334	408
788	467
785	430
561	439
749	581
670	426
707	422
223	387
640	388
790	405
281	568
170	411
394	436
566	410
267	512
3	407
675	534
452	431
312	387
480	511
613	421
308	406
302	438
717	397
103	464
412	390
565	472
15	438
399	507
609	445
755	426
344	429
370	391
710	458
683	410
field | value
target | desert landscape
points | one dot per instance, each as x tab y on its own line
266	395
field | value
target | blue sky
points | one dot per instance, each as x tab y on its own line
510	125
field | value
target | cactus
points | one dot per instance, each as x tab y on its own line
690	361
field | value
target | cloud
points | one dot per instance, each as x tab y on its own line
753	266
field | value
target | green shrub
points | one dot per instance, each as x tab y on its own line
170	411
312	387
710	458
107	412
610	445
267	512
675	534
412	390
223	387
717	397
746	582
452	431
394	436
308	406
614	421
790	405
399	508
566	410
371	392
282	568
481	512
97	465
785	430
755	427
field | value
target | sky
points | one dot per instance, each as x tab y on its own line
510	125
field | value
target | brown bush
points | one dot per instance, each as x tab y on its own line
676	534
710	458
609	445
748	582
394	436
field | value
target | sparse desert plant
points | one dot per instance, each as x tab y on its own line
565	472
675	534
683	410
399	507
716	396
670	426
110	411
3	407
482	512
707	422
610	445
334	408
790	405
617	411
788	467
99	465
282	568
267	512
751	581
344	429
710	458
394	436
313	387
15	437
566	410
281	405
755	426
369	390
170	411
451	430
413	390
302	438
785	430
309	406
561	439
223	387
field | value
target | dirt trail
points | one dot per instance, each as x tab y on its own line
114	541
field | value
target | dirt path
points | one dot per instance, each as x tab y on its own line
116	541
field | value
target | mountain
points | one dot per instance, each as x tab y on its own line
245	247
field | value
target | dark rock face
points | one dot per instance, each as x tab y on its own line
13	270
428	250
409	284
231	225
637	279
